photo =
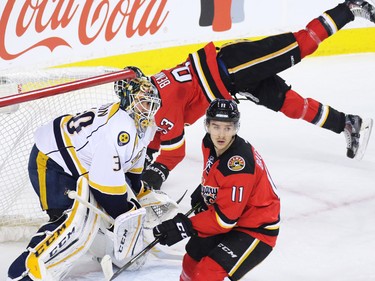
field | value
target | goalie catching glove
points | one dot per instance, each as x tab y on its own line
158	204
155	174
174	230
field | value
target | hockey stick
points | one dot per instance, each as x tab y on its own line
146	249
182	197
73	195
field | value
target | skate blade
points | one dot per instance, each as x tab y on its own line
365	137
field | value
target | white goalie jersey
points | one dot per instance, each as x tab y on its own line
102	142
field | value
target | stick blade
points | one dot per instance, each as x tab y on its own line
106	264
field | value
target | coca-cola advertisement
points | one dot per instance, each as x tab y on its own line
41	33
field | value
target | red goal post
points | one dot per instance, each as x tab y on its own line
29	99
17	98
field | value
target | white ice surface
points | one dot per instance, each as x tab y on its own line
328	200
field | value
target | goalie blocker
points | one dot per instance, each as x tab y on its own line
126	239
133	229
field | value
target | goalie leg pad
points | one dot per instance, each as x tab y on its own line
54	255
18	267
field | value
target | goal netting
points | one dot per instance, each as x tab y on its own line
20	212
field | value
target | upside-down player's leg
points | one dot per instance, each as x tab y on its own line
249	62
252	67
276	95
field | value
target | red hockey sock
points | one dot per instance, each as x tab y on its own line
312	111
297	107
188	267
309	39
208	269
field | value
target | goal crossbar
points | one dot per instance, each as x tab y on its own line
66	87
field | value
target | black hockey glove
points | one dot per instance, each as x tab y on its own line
196	197
174	230
149	156
155	174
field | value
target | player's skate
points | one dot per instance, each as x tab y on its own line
362	9
357	133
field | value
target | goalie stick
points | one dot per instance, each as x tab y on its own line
109	275
73	195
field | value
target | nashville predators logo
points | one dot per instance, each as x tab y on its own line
123	138
236	163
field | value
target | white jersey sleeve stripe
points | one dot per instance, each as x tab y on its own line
136	170
113	190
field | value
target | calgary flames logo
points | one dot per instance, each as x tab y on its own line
209	194
236	163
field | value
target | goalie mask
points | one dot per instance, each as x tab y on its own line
224	111
140	98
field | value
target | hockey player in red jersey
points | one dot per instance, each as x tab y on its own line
237	225
249	68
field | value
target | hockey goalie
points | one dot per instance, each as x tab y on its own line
84	169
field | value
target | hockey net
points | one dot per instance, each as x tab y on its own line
20	212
